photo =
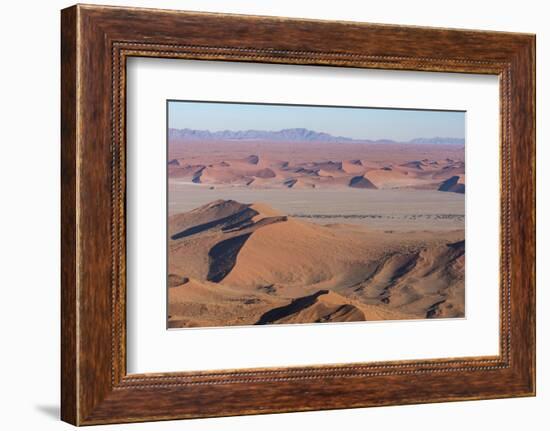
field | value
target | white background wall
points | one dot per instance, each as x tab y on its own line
29	215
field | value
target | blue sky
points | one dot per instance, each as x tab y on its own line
358	123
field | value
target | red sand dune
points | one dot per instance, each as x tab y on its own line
269	171
239	264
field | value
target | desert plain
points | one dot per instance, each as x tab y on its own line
279	232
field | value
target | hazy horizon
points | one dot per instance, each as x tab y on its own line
360	123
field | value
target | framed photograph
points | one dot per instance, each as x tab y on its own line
264	215
286	224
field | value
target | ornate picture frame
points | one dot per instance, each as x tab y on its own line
96	42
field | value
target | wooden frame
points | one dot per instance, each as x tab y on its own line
96	41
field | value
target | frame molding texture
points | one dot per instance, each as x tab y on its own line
95	43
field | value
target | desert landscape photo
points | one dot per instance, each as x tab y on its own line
284	214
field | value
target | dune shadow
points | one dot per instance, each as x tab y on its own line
231	220
452	185
295	306
223	257
459	245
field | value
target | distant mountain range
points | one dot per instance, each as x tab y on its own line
291	135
